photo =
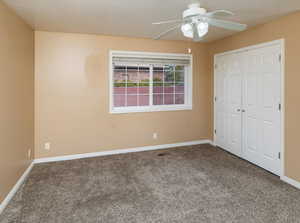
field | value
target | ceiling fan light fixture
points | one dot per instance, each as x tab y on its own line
196	22
202	28
187	30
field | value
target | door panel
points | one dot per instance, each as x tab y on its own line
234	103
228	103
261	119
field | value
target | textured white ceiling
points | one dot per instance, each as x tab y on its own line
134	17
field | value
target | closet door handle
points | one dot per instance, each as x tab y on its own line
238	110
243	110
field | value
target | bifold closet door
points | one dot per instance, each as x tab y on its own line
248	105
261	106
228	103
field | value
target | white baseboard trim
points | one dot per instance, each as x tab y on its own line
15	188
112	152
290	181
213	143
120	151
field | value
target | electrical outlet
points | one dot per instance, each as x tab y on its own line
189	50
155	135
47	146
29	153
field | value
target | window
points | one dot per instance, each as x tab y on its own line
145	82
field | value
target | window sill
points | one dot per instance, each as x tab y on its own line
150	109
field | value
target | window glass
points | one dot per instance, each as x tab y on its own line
131	86
168	80
152	87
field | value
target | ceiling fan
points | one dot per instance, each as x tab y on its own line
196	22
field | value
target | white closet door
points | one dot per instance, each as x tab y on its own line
228	103
261	99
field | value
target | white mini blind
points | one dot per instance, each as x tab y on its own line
151	60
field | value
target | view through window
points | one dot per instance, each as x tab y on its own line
149	85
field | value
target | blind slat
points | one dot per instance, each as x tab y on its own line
144	60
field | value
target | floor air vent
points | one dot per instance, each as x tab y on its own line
162	154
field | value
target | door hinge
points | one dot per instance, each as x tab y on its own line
279	57
216	66
215	131
279	155
215	98
279	106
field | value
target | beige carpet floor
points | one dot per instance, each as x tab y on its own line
190	184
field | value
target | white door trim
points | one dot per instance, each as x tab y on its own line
280	42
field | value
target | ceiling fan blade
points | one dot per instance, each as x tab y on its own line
168	21
167	31
219	13
226	24
196	37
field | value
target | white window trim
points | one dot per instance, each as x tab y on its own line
188	83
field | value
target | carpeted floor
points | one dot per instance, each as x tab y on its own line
190	184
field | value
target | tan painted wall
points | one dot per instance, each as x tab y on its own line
287	28
72	100
16	98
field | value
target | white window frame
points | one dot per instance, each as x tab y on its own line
188	90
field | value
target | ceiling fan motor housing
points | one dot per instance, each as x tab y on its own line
194	9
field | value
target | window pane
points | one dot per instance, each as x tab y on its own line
179	76
144	78
119	100
168	88
179	68
132	75
158	88
144	69
143	100
143	88
132	69
132	78
169	74
132	100
119	88
158	99
168	99
132	88
158	78
169	67
158	74
158	69
144	74
119	74
179	99
179	88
